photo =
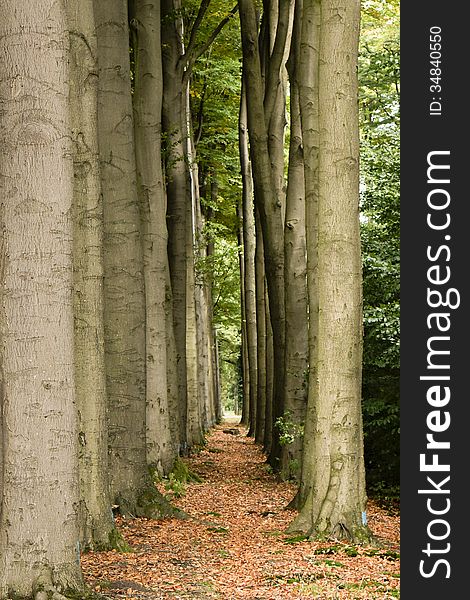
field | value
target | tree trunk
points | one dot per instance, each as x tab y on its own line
249	246
261	330
40	489
195	378
96	522
174	405
245	369
307	79
177	182
269	205
212	339
148	89
335	505
207	279
295	401
269	419
131	485
218	411
182	193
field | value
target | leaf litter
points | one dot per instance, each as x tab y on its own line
235	546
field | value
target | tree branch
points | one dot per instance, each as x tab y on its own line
200	114
195	28
192	54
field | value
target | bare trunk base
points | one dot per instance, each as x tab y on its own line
335	526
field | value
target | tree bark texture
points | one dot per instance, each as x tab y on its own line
335	505
307	79
96	522
269	205
40	489
261	331
269	419
123	261
178	190
194	352
245	369
148	91
249	247
296	357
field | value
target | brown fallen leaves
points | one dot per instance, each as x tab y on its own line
234	546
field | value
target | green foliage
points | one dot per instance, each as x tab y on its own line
289	431
336	548
175	483
380	208
117	542
176	488
295	539
223	268
215	95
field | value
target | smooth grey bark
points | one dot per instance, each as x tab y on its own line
172	366
295	401
307	79
213	400
131	484
178	191
336	501
245	368
123	261
211	330
97	529
279	21
147	98
218	383
249	248
261	432
195	364
269	419
39	436
270	206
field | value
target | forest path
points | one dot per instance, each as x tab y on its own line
235	546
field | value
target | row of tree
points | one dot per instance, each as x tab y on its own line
109	359
302	254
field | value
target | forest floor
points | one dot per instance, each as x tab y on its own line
235	545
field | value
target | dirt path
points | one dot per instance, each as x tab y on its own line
238	547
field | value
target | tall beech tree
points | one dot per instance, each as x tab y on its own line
123	260
96	522
249	247
307	13
296	357
263	413
177	188
125	317
335	502
148	93
261	100
39	487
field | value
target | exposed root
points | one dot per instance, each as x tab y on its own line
44	589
